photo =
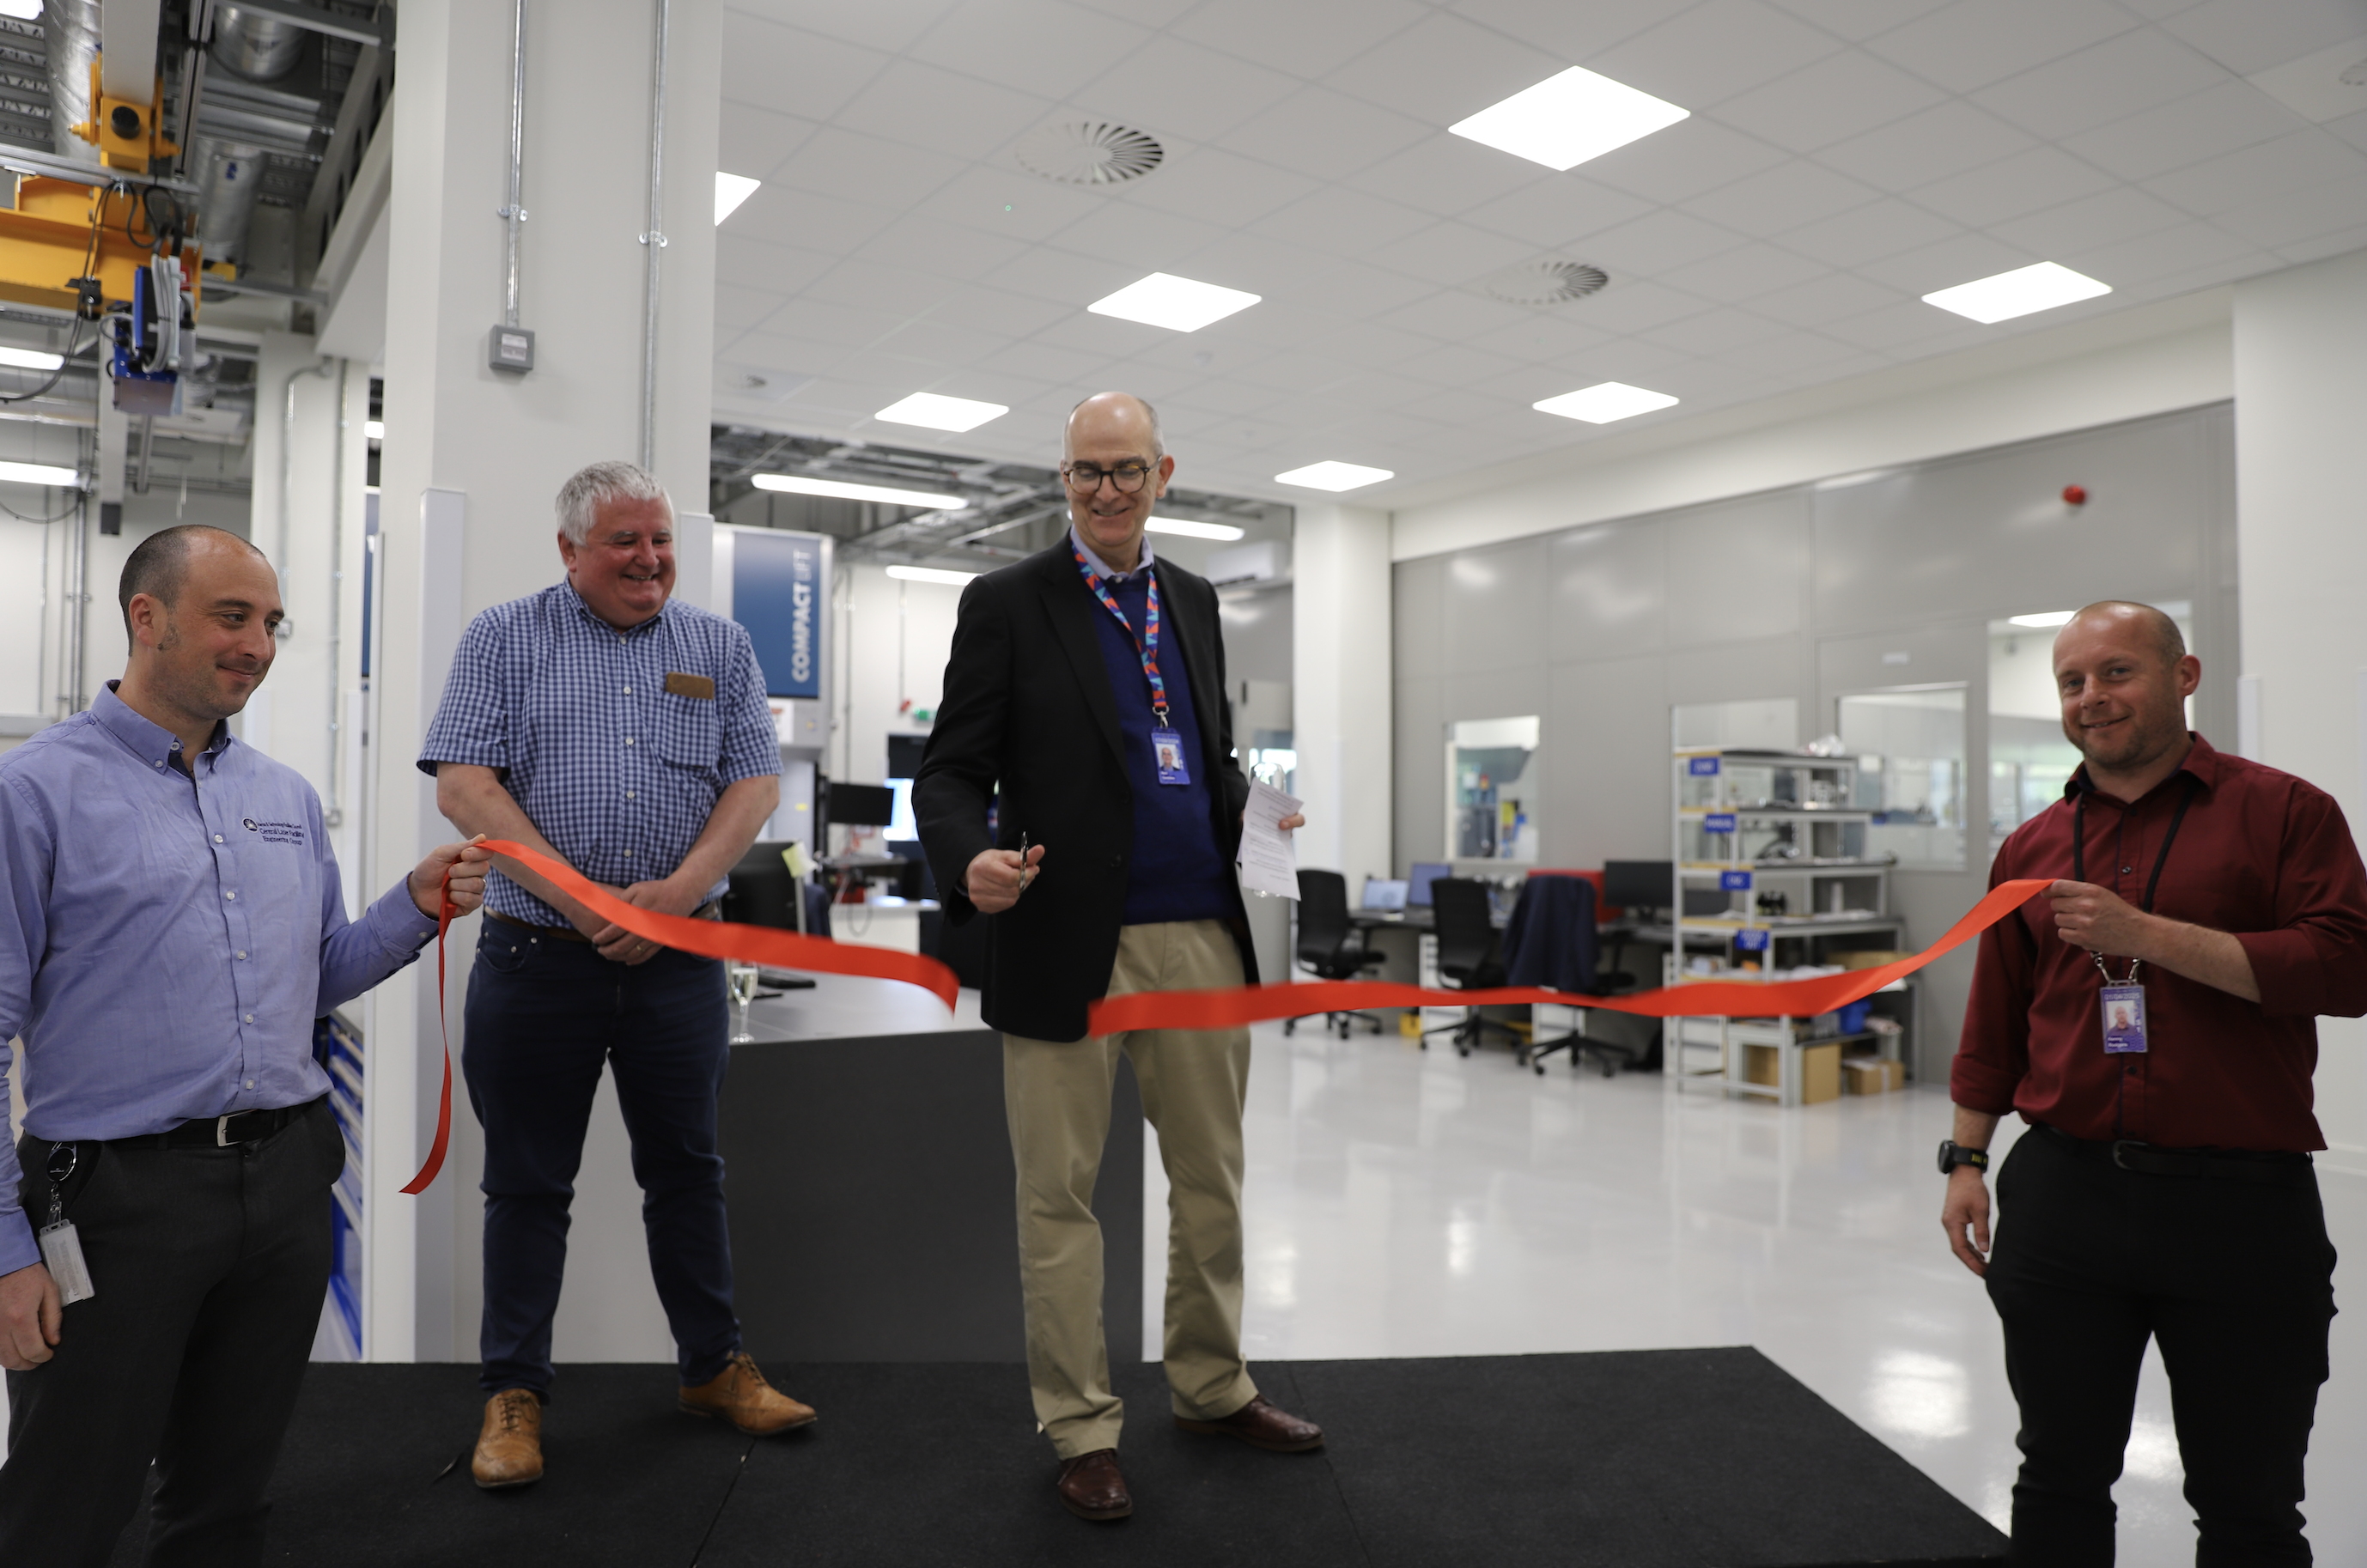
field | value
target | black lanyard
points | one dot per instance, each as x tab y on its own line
2161	856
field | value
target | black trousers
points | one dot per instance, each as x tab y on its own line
2235	1279
210	1266
545	1017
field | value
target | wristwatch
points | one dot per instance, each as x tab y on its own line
1953	1154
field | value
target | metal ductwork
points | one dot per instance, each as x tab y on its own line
72	28
230	176
261	49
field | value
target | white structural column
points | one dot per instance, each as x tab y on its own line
472	458
1342	597
2301	381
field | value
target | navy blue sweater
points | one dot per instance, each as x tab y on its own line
1176	873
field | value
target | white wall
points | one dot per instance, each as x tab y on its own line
893	640
2301	383
1340	636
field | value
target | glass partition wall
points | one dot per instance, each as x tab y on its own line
1909	742
1495	784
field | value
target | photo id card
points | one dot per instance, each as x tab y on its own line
1167	751
2125	1019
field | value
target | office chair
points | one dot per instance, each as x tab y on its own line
1469	955
1329	947
1553	940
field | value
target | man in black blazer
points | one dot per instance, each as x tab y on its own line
1088	681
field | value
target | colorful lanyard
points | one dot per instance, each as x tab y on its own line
1147	645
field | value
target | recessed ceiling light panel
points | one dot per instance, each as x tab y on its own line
30	359
1192	528
1335	476
1092	153
1605	401
2049	618
39	474
931	411
2021	292
730	190
1180	304
842	490
930	574
1566	119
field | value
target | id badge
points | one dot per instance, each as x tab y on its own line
2125	1019
61	1252
1167	751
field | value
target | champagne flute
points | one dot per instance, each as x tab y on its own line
743	979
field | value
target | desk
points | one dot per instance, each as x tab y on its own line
867	1167
882	922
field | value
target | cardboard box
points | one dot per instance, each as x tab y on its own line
1871	959
1873	1075
1820	1070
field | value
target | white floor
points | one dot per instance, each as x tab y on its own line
1413	1203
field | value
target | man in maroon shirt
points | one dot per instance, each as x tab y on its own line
2153	1018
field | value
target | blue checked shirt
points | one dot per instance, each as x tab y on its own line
619	772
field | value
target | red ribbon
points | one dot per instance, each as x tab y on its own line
709	939
1706	998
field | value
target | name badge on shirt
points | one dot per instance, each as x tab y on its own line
2125	1019
1167	751
699	686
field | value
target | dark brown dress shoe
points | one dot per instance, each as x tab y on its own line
1261	1425
1091	1487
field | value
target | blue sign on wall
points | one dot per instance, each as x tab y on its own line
1702	767
777	592
1733	881
1750	938
1718	822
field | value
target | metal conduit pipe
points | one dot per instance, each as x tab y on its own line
335	809
655	240
70	30
514	215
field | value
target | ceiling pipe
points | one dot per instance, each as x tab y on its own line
71	28
654	242
514	215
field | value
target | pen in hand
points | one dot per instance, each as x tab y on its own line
1026	871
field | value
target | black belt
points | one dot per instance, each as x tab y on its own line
2261	1168
708	911
219	1131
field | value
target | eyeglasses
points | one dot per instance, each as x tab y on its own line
1086	478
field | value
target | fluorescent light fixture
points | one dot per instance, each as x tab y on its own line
2017	293
1605	401
39	474
23	10
2051	618
1566	119
375	429
934	413
730	190
1194	530
839	490
930	574
29	358
1335	476
1165	301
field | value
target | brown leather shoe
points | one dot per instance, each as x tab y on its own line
1261	1425
509	1447
1091	1487
739	1395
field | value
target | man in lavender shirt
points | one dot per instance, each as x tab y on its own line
171	924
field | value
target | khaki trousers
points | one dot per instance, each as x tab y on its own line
1056	1096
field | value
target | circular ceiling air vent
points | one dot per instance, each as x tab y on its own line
1546	283
1092	153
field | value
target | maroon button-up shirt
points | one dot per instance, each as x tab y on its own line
2260	854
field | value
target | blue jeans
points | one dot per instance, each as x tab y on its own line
543	1016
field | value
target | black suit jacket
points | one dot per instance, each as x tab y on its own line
1027	704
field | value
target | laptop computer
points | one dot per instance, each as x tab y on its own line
1385	894
1418	884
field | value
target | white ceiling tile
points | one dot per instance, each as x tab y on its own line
1546	338
739	309
1306	40
1639	307
1342	219
855	168
2343	241
1782	198
886	24
1036	46
998	311
1458	365
1688	158
2121	213
889	290
1713	332
1859	19
2027	182
1457	409
1118	235
1574	33
1296	371
1455	316
1959	259
1442	69
1827	299
1707	53
2165	253
781	215
1451	253
956	115
1789	353
2121	76
1658	243
1062	276
813	320
1010	205
1175	88
1450	174
1216	186
957	251
1628	359
754	141
1042	362
1868	233
751	263
2252	35
1946	140
1357	290
1840	96
1324	135
1744	274
1149	13
1971	43
790	69
1895	326
2290	162
2159	10
1260	264
2293	217
2351	127
1559	213
2209	124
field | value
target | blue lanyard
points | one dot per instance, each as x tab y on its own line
1147	645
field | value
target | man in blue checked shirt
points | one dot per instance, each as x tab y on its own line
627	736
171	923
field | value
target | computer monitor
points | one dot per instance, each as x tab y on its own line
1418	884
1385	894
1637	884
861	805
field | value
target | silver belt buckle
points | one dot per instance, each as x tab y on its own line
222	1129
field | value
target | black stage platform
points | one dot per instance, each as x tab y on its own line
1708	1459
